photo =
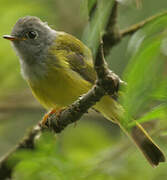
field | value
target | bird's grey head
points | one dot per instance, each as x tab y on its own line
31	38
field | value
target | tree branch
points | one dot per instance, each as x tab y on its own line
112	35
132	29
26	143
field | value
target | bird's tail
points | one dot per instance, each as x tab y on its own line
112	111
150	150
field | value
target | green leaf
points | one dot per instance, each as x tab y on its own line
158	112
153	28
145	73
97	24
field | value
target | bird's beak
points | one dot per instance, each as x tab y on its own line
12	38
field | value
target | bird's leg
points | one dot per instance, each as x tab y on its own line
53	111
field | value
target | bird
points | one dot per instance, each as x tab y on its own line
58	68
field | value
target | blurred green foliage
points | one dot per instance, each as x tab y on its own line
96	26
94	149
146	72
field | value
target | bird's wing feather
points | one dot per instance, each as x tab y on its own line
82	67
76	54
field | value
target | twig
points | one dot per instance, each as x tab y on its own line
112	23
132	29
112	35
26	143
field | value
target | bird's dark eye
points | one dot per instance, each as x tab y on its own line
32	34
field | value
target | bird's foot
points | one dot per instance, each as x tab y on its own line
46	116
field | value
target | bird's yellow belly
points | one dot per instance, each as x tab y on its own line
59	89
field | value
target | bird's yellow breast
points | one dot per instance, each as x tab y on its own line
59	87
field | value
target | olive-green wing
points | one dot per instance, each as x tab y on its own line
77	55
84	68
